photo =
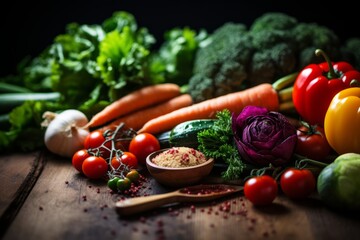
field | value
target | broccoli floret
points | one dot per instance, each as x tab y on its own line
201	87
351	52
273	20
275	56
311	36
275	45
272	63
220	66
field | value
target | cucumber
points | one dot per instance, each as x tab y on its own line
185	134
164	139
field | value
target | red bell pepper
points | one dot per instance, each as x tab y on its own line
317	84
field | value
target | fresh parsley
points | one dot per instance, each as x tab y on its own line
218	143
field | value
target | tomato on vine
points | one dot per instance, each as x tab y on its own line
297	183
133	175
312	142
78	159
126	158
95	167
95	139
123	184
112	183
261	190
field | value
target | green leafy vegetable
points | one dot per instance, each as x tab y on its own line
122	61
218	143
91	66
175	58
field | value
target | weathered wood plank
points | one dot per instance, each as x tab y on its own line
65	205
18	174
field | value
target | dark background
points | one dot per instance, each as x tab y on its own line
27	27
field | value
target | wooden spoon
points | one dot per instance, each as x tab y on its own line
198	193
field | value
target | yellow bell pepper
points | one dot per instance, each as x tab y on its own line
342	121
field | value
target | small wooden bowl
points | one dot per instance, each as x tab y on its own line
178	177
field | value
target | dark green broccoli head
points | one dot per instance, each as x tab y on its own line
273	20
223	61
229	41
227	79
351	52
266	39
311	36
272	63
200	87
303	34
275	56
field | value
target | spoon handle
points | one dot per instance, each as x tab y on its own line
139	204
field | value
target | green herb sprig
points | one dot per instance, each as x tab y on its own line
218	143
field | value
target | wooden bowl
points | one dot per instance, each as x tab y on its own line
178	177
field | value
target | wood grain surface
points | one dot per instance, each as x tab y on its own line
43	197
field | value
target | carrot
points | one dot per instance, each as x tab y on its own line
260	95
137	119
133	101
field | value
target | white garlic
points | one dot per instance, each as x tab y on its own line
65	133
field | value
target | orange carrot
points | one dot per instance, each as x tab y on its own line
260	95
134	101
137	119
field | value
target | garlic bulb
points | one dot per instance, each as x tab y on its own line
65	134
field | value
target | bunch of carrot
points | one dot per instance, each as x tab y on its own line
261	95
159	108
140	106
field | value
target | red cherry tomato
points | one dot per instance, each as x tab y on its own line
127	158
94	167
142	145
297	183
261	190
78	159
312	143
94	140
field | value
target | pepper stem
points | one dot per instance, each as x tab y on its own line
354	83
319	52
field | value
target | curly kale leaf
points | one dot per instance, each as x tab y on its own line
217	142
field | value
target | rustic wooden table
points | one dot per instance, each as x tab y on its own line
43	197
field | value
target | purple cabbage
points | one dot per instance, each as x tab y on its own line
263	137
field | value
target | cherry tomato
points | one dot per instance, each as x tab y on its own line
297	183
112	183
115	163
78	159
133	175
94	140
312	143
94	167
127	158
261	190
142	145
123	184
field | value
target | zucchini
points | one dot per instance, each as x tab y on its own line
185	134
164	139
